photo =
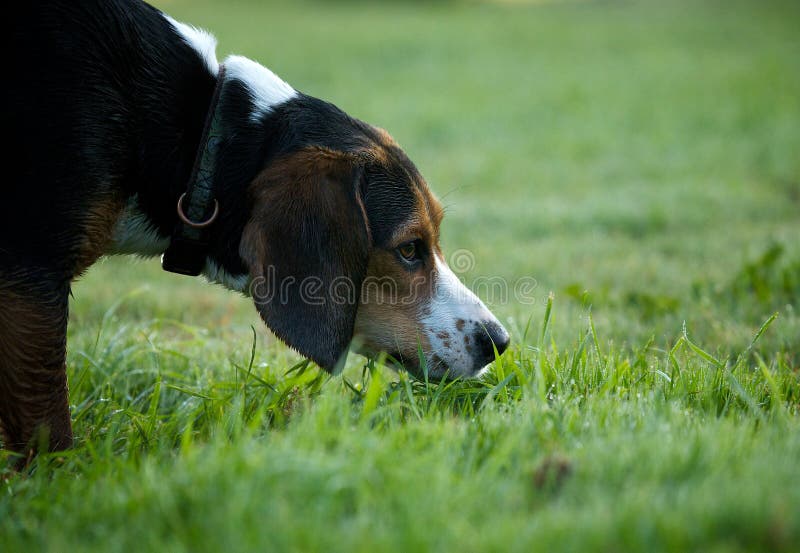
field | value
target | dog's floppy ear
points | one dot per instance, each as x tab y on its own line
307	245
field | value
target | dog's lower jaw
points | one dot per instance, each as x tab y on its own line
427	366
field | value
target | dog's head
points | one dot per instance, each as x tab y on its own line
343	245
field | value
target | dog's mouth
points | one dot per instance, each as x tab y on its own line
421	367
434	365
411	365
390	358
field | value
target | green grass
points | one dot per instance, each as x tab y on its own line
641	161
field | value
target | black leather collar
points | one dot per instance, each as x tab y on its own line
197	208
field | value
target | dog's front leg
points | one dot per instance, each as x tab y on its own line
34	408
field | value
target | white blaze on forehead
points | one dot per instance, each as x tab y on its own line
266	88
453	316
201	40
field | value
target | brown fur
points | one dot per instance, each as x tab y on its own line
308	223
98	232
291	184
392	302
424	221
392	299
33	383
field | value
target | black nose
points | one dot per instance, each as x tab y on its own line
489	336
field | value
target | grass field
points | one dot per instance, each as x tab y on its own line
636	164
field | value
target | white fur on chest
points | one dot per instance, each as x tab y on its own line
135	233
216	274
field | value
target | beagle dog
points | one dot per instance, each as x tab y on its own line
125	135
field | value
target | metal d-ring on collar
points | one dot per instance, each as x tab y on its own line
194	224
188	248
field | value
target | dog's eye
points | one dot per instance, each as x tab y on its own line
409	251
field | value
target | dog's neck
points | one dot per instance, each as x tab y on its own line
172	115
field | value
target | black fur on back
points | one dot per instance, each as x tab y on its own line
104	100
